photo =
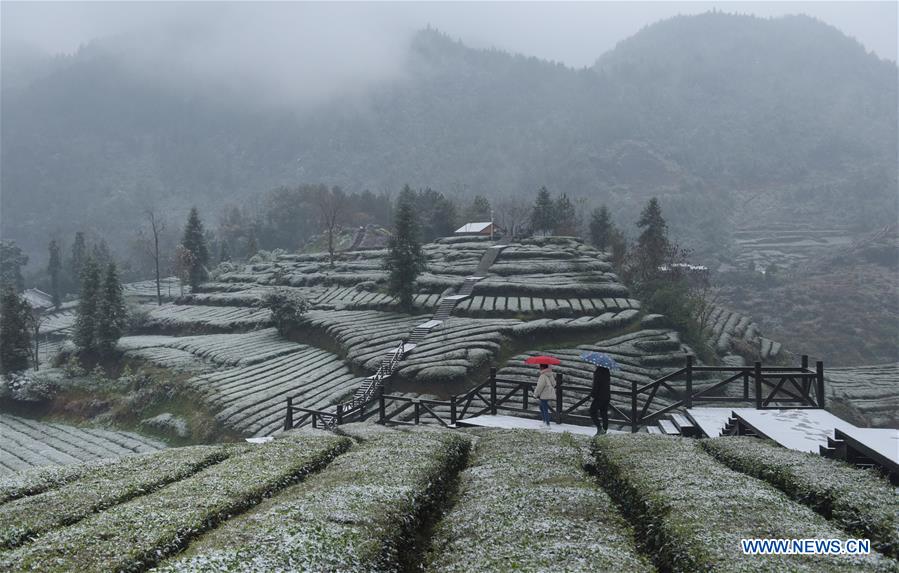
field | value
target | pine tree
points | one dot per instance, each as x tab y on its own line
88	311
195	242
601	228
653	242
79	254
101	254
405	260
443	217
111	313
479	211
566	218
12	259
224	252
543	218
15	333
53	268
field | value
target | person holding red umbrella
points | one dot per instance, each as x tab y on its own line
546	383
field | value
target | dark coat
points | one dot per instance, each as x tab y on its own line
602	384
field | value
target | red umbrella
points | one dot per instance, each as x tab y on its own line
542	360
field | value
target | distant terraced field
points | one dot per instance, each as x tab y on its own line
872	389
246	378
27	443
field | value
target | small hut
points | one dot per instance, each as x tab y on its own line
486	228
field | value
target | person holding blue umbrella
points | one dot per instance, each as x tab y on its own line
602	389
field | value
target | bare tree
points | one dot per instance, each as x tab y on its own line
36	318
512	214
149	239
331	205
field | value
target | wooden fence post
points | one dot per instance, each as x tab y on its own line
558	397
288	418
688	400
453	410
819	378
758	385
746	385
417	412
493	390
339	414
634	406
381	408
804	362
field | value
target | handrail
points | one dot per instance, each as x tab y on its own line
771	385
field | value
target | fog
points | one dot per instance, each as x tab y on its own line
307	52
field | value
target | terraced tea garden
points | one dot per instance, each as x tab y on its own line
871	389
382	499
26	443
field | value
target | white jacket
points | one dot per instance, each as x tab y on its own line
546	385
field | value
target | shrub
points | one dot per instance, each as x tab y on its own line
693	511
138	533
287	309
859	500
544	512
353	516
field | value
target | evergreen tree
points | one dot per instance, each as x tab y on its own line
53	268
111	313
405	260
601	228
543	219
224	252
101	254
479	211
444	218
88	311
15	333
12	259
567	220
194	242
653	242
79	254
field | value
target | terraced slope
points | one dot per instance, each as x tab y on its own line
252	398
726	327
27	443
872	389
693	511
186	319
525	503
451	350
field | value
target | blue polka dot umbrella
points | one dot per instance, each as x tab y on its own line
600	359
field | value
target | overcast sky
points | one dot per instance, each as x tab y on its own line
572	33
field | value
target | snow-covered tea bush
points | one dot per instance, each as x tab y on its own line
353	516
103	486
132	535
693	511
861	501
524	503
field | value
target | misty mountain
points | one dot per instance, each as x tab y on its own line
703	111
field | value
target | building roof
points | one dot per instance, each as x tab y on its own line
37	299
474	227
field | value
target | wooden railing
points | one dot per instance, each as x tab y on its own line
764	386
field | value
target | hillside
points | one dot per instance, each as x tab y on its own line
394	500
706	110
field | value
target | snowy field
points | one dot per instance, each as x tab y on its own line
373	499
27	443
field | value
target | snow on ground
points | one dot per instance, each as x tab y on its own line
803	430
884	442
516	423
